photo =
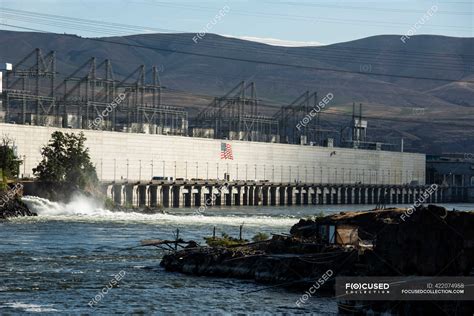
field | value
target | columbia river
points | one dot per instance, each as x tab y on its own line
58	262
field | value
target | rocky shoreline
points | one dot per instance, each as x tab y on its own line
15	208
265	262
431	241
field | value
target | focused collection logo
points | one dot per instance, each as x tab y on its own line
367	288
405	288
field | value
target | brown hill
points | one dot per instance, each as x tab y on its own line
283	73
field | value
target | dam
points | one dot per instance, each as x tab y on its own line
139	157
192	171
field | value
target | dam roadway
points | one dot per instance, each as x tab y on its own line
204	193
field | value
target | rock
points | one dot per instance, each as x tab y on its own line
282	259
14	207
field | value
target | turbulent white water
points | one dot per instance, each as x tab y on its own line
80	205
31	308
84	208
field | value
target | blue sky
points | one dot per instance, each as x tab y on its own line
289	22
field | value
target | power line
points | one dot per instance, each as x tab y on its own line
339	113
334	52
347	59
297	17
127	27
239	78
112	25
251	60
347	7
329	56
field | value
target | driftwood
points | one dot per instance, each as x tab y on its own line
168	244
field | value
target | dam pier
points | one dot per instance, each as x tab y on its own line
202	193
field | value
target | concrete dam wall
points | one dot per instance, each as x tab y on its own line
133	157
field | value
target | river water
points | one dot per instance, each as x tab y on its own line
58	262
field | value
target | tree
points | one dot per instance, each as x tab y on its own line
65	159
9	163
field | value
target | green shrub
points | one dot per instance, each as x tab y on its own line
224	241
9	162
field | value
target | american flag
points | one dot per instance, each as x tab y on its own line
226	151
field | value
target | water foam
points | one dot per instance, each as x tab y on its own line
79	205
84	208
31	308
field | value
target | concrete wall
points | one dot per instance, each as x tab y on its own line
138	157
